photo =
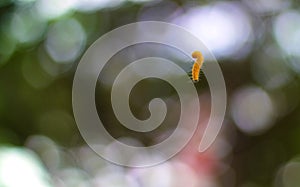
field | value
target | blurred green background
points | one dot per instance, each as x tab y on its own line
257	45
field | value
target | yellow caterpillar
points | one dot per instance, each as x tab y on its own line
197	65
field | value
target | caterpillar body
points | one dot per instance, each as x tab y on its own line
195	72
197	65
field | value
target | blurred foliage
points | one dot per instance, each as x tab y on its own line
41	43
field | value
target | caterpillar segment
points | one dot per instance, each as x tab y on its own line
195	72
197	65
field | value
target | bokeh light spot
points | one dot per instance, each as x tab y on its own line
47	150
51	9
287	34
224	27
291	174
267	6
93	5
252	110
20	167
65	41
26	27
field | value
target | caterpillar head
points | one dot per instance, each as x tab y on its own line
198	56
